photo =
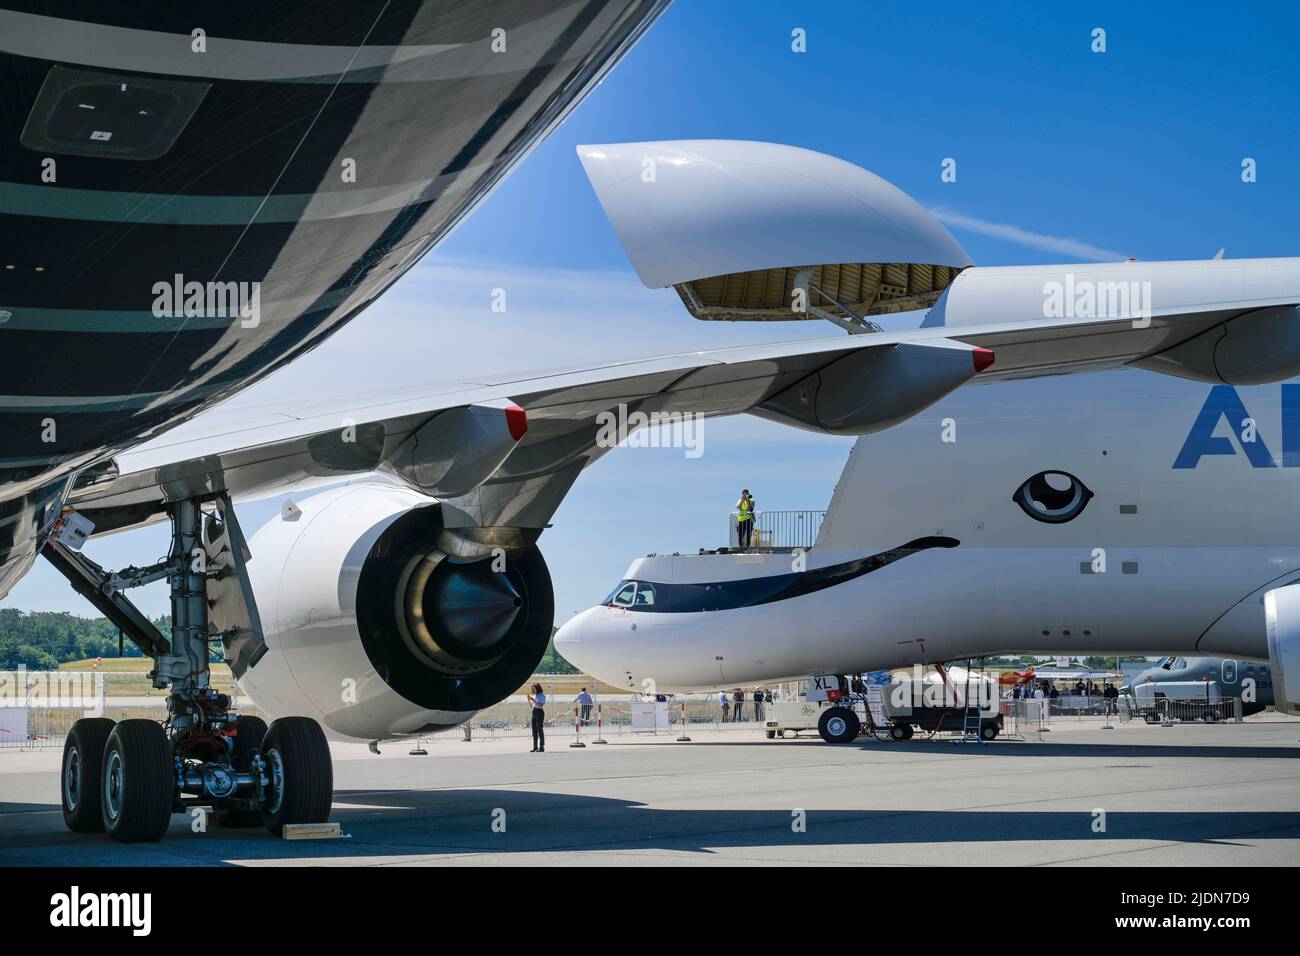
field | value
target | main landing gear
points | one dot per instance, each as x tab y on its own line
128	778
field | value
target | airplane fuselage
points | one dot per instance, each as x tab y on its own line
1115	512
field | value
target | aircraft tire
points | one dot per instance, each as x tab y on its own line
82	772
139	782
302	773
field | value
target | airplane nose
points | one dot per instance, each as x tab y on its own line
568	641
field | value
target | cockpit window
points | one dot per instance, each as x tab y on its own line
618	589
625	595
645	595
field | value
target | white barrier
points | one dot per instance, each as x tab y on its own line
13	725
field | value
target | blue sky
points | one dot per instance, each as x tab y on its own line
1133	152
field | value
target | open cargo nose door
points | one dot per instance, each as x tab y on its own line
749	231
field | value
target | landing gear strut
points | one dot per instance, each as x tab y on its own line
128	778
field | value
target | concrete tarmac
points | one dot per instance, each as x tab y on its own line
1189	795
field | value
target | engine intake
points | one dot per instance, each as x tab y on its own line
379	622
453	631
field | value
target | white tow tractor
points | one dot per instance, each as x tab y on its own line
843	708
793	717
827	708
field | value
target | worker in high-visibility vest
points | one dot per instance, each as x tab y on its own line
745	518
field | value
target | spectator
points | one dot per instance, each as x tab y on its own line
725	703
583	700
737	705
758	704
538	701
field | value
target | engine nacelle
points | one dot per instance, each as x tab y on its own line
1282	619
381	623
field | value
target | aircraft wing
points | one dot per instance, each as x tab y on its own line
750	232
466	444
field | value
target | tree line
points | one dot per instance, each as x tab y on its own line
42	640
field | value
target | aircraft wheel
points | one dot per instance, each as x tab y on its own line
899	732
910	731
83	760
139	782
838	725
302	774
249	732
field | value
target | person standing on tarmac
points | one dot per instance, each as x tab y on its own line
583	700
538	700
738	705
758	705
745	519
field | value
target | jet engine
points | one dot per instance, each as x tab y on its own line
1282	618
380	622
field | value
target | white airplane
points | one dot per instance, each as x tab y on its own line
191	197
1108	512
414	595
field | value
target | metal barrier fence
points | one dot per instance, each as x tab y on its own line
1035	715
48	726
512	718
1170	711
779	529
1082	705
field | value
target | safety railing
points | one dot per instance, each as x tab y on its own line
777	530
34	728
617	717
1169	711
1082	705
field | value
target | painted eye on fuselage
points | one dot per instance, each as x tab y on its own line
1053	497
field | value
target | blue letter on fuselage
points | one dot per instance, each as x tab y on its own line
1223	401
1291	426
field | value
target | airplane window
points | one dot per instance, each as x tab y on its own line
620	585
645	595
621	595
